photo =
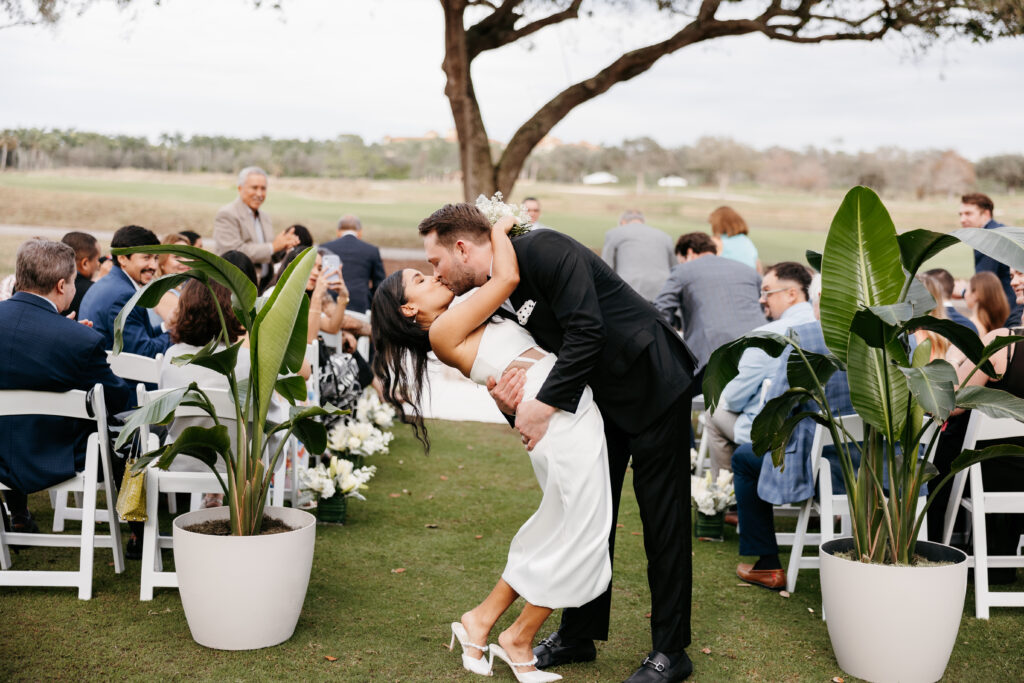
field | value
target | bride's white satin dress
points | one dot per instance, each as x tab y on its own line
559	558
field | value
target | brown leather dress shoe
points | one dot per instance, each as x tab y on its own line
772	579
732	518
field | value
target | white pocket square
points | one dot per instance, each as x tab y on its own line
523	314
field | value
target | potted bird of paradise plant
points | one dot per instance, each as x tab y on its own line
893	603
243	590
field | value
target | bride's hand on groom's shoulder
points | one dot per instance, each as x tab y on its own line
508	392
505	224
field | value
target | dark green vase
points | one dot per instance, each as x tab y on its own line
709	527
332	510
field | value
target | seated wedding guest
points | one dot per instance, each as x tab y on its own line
784	292
946	281
193	237
760	485
7	287
325	313
303	233
87	264
243	263
986	301
715	298
1003	531
41	350
729	228
106	298
638	253
940	345
168	264
197	324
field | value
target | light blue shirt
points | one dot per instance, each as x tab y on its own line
743	394
739	248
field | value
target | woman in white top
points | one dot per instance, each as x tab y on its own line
559	558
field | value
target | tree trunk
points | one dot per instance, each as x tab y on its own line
3	157
478	176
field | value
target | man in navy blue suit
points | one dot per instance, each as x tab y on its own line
361	265
106	298
42	350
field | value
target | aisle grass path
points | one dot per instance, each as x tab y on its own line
384	625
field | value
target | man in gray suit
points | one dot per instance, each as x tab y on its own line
713	299
241	226
639	254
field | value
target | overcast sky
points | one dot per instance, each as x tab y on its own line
321	68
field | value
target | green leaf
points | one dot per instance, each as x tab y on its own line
958	335
292	387
312	434
814	259
934	386
860	267
894	314
725	360
878	390
159	411
202	261
296	352
767	426
148	296
875	332
823	365
1005	245
272	329
917	246
993	402
968	458
223	361
204	443
920	298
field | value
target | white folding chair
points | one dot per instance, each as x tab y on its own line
172	482
71	404
295	458
984	428
362	342
135	368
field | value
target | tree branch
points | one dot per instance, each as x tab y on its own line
498	28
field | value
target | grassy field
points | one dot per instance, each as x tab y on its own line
477	487
783	224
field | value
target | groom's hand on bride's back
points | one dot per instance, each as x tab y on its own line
508	391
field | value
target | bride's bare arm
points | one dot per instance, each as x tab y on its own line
456	324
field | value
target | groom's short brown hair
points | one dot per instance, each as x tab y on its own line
453	222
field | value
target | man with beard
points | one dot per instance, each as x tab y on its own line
609	337
106	298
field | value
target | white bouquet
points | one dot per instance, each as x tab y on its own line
340	477
358	439
370	409
494	209
713	497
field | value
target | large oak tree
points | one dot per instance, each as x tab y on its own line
498	23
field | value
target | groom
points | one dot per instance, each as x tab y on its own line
608	336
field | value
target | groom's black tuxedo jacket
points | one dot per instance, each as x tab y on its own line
605	334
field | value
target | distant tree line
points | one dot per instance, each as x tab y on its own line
718	161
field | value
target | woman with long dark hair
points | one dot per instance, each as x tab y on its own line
559	558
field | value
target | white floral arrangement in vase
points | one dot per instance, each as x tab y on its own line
711	497
341	477
370	409
358	439
495	208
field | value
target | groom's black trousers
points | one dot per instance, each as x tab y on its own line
661	481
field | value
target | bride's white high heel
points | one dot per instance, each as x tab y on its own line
480	666
537	676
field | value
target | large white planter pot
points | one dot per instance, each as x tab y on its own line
891	623
243	592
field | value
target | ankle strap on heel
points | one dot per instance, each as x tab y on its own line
482	648
532	662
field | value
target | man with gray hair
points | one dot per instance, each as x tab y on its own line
639	254
361	265
241	226
41	350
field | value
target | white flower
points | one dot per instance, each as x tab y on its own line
369	409
494	209
712	498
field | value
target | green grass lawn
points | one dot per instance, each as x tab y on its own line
388	626
784	224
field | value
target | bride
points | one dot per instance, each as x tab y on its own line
559	558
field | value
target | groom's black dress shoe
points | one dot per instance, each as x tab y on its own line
660	668
555	651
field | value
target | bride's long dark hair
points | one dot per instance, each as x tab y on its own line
395	339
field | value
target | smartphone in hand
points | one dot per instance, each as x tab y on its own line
331	265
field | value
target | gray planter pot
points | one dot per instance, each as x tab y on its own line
890	623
